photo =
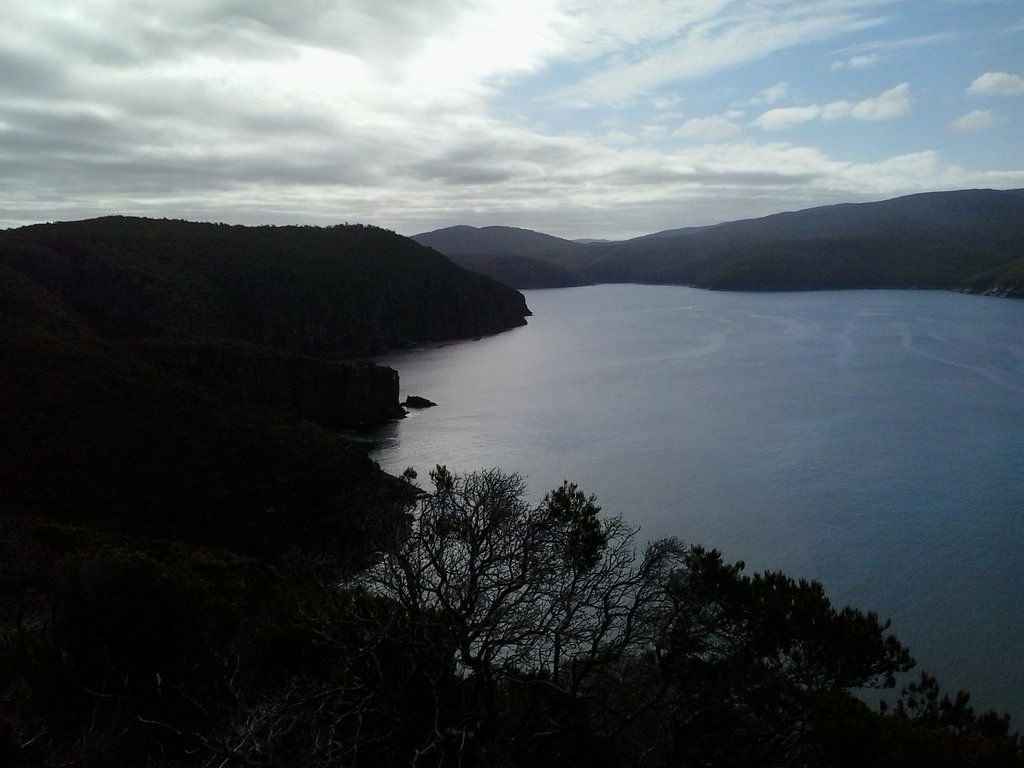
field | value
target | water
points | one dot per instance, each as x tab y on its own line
873	440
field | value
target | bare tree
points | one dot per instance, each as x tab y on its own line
550	594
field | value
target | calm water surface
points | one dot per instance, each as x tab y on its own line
873	440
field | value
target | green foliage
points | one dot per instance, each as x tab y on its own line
576	514
560	641
530	604
756	654
927	728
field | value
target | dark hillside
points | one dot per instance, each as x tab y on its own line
497	240
95	437
935	240
524	272
336	292
979	213
178	380
517	257
939	240
176	509
1006	280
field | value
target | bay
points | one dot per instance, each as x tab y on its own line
873	440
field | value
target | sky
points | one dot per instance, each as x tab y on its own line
579	118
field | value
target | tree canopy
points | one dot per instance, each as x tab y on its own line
553	628
488	631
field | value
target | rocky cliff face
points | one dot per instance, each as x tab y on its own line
343	394
334	394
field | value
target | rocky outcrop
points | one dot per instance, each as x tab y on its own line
415	401
343	394
1005	282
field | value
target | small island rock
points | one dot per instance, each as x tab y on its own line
414	401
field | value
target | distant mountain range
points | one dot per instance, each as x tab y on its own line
971	240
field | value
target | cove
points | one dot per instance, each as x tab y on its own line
873	440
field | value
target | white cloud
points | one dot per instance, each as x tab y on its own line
977	120
698	37
712	128
888	105
916	41
862	61
399	113
1001	83
783	117
771	94
621	138
663	102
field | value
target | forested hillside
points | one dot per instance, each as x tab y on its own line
517	257
329	292
966	240
172	378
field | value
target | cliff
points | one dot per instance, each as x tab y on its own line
335	394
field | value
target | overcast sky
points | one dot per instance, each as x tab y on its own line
581	118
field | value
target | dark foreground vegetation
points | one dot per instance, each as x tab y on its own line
197	569
489	632
970	240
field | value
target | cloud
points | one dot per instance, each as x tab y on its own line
784	117
771	94
712	128
686	40
888	105
903	43
410	115
977	120
862	61
998	83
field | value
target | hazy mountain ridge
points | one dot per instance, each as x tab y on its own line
943	240
518	257
464	240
